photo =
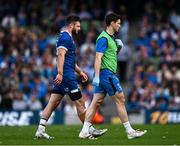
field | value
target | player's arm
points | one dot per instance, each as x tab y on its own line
61	49
60	64
97	63
81	73
101	47
78	69
60	60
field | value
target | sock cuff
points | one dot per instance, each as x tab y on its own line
43	122
126	123
42	125
128	127
88	123
44	119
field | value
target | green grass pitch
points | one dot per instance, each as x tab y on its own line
68	135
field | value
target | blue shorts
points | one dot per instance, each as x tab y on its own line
69	87
109	83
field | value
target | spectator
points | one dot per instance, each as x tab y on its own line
34	103
19	103
8	21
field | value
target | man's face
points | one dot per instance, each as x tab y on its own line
116	25
76	27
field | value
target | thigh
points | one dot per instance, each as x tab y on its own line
55	98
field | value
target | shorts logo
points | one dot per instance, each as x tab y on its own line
66	89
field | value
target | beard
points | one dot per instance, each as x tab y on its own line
75	35
74	32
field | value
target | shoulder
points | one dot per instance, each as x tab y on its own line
64	36
63	40
101	44
103	35
102	40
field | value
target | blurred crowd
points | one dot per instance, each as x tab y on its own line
28	32
156	70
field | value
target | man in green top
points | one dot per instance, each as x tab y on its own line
105	80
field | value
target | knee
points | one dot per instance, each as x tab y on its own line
121	98
99	102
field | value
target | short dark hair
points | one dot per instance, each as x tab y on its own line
112	17
72	18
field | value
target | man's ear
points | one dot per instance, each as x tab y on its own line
112	23
71	25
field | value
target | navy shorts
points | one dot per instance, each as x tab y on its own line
109	83
69	87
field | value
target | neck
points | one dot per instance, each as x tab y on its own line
110	30
69	30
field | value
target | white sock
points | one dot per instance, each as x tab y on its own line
86	127
128	127
41	128
42	124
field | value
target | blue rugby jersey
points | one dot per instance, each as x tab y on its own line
66	42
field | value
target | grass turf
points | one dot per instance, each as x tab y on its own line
68	135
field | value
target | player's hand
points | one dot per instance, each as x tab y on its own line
119	43
84	77
95	81
58	79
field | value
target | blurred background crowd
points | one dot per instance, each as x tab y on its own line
148	64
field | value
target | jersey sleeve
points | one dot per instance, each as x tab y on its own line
62	42
101	45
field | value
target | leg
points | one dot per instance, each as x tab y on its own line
119	99
76	97
81	110
80	105
95	104
87	131
54	101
